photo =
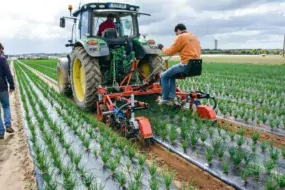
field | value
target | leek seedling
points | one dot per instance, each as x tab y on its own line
86	144
271	143
232	135
209	155
51	184
283	151
132	185
211	131
245	174
173	134
255	136
185	145
225	166
248	157
263	146
153	184
121	145
58	163
274	155
237	157
67	171
280	180
253	148
141	159
224	138
138	176
193	138
82	171
131	151
113	164
128	166
105	157
184	132
167	179
240	141
121	177
102	142
221	152
232	151
216	144
88	180
203	137
270	184
152	168
70	182
77	159
118	156
95	153
269	165
242	132
255	170
70	154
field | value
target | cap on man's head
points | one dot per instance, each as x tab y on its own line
1	46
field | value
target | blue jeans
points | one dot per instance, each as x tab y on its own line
4	99
168	81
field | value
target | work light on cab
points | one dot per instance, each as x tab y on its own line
92	42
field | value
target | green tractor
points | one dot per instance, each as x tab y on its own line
104	61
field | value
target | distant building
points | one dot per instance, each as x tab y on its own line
216	44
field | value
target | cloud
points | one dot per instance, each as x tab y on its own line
33	25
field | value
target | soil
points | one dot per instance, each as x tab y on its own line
16	164
278	141
185	171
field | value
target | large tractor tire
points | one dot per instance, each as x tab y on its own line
150	63
85	78
62	77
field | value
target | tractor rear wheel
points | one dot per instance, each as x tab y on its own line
150	63
85	78
62	78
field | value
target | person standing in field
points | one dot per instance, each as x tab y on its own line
188	47
5	75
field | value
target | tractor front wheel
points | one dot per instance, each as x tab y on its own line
62	77
85	78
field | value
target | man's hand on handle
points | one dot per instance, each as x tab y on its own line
11	91
160	46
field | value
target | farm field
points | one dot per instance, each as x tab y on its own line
253	96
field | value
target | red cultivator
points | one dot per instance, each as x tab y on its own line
123	116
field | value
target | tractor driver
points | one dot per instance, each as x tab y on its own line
188	47
109	23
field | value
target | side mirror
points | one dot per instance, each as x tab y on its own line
62	22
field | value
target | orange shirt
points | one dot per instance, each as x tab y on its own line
187	45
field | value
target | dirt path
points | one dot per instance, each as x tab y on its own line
16	165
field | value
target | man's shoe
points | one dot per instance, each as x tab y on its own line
10	130
162	102
1	136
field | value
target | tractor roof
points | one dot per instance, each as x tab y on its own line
108	7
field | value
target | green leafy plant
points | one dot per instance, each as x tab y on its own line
225	166
193	138
185	144
253	148
232	151
132	185
245	174
270	184
216	144
211	131
283	151
221	152
76	159
121	177
167	179
255	136
263	146
184	132
240	141
86	143
269	165
274	155
255	169
203	137
209	155
173	134
131	151
237	157
105	157
88	179
141	159
280	180
128	166
138	176
153	183
152	169
95	153
242	132
118	156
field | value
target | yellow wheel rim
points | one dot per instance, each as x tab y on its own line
59	78
144	66
79	79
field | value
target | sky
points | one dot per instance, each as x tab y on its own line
32	26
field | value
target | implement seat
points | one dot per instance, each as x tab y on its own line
193	68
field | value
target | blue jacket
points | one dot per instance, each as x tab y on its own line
5	75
